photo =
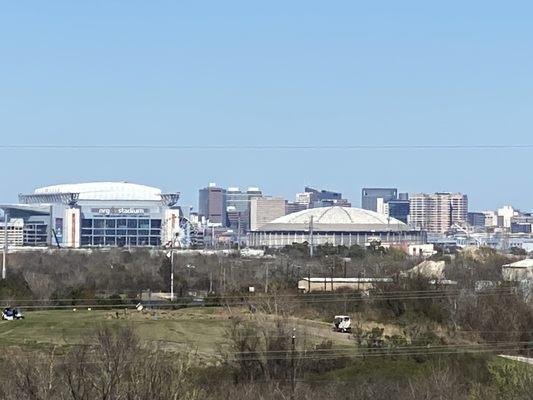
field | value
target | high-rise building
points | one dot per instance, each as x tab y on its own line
437	212
370	197
264	210
238	207
477	219
314	198
212	204
399	209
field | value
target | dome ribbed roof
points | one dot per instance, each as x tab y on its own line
336	219
105	191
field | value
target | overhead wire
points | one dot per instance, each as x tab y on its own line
261	147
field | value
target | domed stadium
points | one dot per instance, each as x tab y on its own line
334	225
104	191
95	214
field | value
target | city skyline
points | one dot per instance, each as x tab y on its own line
190	197
409	73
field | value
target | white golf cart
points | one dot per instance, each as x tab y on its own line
342	323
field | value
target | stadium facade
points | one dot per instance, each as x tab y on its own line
336	225
94	215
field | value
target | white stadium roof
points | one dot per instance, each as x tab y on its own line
347	219
105	191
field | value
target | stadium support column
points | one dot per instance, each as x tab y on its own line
49	231
72	231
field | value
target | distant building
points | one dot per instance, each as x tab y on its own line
264	210
518	271
398	209
93	214
370	197
293	206
314	198
476	219
386	201
212	204
238	207
436	213
505	216
339	226
330	284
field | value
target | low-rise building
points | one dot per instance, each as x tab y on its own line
325	284
518	271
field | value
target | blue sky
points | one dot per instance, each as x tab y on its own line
272	73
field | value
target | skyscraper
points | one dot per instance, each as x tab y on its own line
437	212
238	207
370	196
264	210
212	204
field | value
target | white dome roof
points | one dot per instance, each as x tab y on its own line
105	191
336	219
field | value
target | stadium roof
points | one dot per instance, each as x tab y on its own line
105	191
331	219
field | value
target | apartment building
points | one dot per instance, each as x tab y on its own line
437	212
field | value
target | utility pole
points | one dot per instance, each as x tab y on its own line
172	272
266	279
4	256
332	271
345	268
311	246
293	364
239	231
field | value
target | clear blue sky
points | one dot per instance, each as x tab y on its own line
274	72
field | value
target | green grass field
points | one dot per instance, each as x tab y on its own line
198	330
193	329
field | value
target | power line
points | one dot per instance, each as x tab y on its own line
211	147
338	296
